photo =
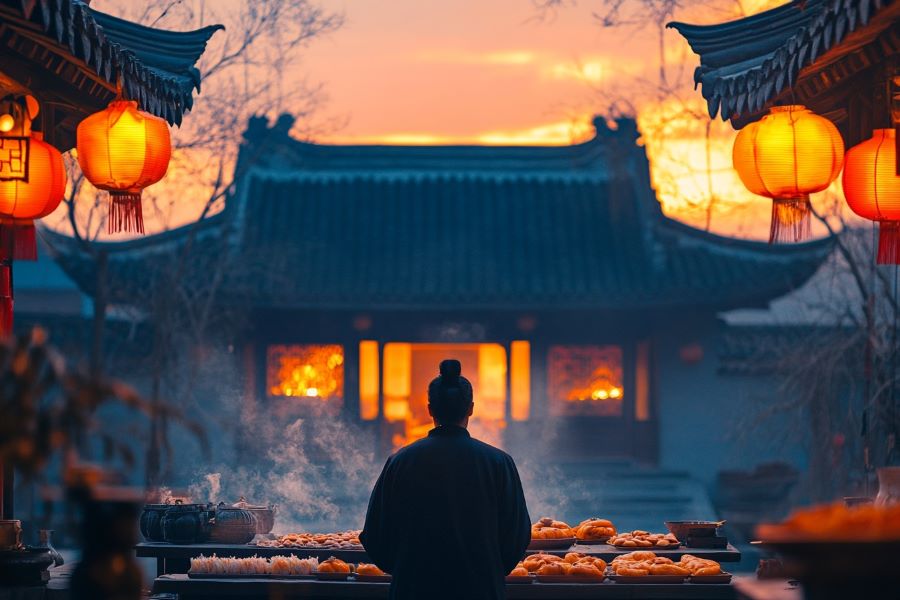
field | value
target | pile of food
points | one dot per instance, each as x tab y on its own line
644	563
253	565
335	565
836	522
594	529
549	529
344	540
284	566
574	565
369	570
643	539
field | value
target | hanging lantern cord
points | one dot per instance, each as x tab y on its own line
893	413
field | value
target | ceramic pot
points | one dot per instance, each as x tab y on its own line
888	486
151	521
187	523
232	525
24	567
265	515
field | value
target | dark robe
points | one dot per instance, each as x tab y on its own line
447	518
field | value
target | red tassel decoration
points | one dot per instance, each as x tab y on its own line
790	220
17	240
6	300
888	243
125	212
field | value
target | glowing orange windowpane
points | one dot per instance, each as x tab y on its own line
642	382
368	380
308	371
585	380
520	380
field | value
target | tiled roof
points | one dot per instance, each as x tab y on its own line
157	66
461	227
746	63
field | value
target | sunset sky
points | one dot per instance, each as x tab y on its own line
501	72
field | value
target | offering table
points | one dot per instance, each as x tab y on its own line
266	588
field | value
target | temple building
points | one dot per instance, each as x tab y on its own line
585	318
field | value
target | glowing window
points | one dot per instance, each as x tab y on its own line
642	382
307	371
520	380
368	380
585	380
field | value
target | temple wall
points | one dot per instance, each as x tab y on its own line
711	421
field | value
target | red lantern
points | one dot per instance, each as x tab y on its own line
786	156
872	189
32	181
123	150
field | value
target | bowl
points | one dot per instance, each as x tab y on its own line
683	529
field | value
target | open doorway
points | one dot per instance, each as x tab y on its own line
409	368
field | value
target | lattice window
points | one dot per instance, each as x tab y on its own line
585	380
306	371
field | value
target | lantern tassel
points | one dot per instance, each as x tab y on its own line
125	212
888	243
17	241
790	220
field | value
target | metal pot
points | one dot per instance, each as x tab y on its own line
25	567
151	521
265	515
187	523
232	525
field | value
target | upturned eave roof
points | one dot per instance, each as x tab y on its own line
73	58
747	64
454	228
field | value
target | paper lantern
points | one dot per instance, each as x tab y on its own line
872	189
32	181
123	150
786	156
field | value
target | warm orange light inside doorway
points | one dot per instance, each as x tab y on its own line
368	380
520	380
409	368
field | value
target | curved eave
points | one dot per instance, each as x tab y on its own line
127	259
746	64
294	154
815	249
758	272
156	66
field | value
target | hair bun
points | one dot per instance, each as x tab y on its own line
451	369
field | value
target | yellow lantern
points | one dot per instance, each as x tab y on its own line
32	179
872	189
786	156
123	150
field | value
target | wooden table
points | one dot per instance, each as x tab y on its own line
175	558
264	589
